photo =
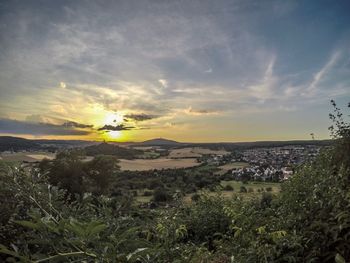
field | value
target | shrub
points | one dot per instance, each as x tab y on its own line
161	195
266	199
195	197
268	189
228	187
147	193
242	189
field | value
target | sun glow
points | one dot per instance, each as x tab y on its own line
114	118
114	134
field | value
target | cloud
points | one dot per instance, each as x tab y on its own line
318	77
162	56
63	85
191	111
140	117
10	126
76	125
265	88
120	127
163	82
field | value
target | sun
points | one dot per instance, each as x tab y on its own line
114	134
113	118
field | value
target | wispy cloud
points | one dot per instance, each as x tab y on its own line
199	112
319	76
140	117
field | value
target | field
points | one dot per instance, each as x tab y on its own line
230	166
194	152
254	189
158	164
255	186
26	157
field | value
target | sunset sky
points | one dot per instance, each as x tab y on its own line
201	71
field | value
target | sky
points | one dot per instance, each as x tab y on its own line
192	71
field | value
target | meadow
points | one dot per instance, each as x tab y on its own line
156	164
26	157
253	190
194	152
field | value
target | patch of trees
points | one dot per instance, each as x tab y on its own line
9	143
70	172
109	149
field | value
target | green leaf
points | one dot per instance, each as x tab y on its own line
128	257
96	228
339	258
28	224
6	251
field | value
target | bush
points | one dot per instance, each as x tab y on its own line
242	189
268	189
147	193
266	199
195	197
250	190
228	187
161	195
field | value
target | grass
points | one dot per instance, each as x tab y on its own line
158	164
255	186
276	187
143	199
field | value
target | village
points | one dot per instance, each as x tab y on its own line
264	164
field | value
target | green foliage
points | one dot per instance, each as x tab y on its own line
243	189
228	188
113	150
161	195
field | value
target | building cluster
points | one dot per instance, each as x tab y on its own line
274	163
260	173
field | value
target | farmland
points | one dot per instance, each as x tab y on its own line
254	189
194	152
26	157
156	164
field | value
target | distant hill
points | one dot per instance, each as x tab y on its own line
109	149
160	142
261	144
9	143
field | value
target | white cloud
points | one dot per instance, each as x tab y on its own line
163	82
63	85
321	74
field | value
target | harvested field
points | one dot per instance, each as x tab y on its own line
27	157
194	152
158	164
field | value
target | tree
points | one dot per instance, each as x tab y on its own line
161	195
100	171
66	171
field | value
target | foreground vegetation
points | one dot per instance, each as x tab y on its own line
308	221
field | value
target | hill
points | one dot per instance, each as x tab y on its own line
109	149
9	143
160	142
